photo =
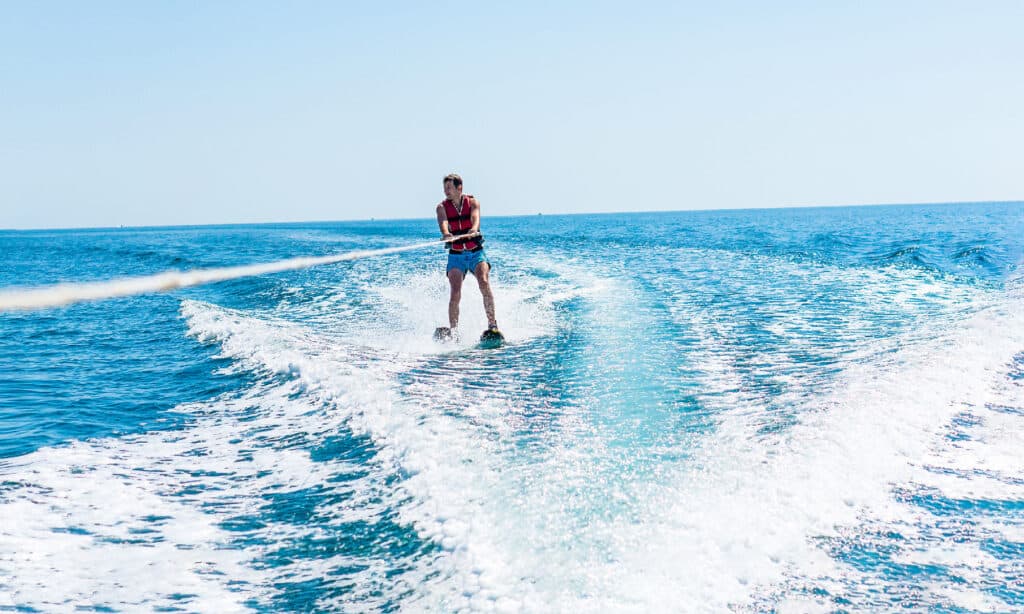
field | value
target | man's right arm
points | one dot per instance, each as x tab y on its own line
442	222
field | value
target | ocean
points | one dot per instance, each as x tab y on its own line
789	410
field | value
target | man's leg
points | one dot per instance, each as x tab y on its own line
455	277
482	274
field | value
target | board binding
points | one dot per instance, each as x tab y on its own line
491	338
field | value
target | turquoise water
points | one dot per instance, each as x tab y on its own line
791	410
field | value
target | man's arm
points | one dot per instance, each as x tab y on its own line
442	222
474	215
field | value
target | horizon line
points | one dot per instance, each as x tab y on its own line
542	213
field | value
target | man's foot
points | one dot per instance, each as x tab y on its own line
492	337
443	333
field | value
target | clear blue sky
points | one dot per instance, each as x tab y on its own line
213	112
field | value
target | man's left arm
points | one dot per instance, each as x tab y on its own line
474	215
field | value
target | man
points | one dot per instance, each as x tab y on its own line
459	215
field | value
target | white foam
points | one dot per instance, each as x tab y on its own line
454	467
89	487
581	525
742	520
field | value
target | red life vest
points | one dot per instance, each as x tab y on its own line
460	223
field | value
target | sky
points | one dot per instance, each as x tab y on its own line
188	112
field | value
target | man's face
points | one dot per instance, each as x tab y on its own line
450	191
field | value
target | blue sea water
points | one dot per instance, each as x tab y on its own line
759	410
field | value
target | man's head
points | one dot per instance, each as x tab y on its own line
452	186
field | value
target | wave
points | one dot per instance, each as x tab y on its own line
912	255
974	255
390	472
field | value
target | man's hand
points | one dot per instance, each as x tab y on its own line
447	238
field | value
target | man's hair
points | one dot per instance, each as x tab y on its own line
455	179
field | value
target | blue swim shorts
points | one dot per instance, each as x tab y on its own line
466	261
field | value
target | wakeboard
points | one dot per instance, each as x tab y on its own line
443	334
491	338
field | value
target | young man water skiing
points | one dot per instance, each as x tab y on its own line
459	215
